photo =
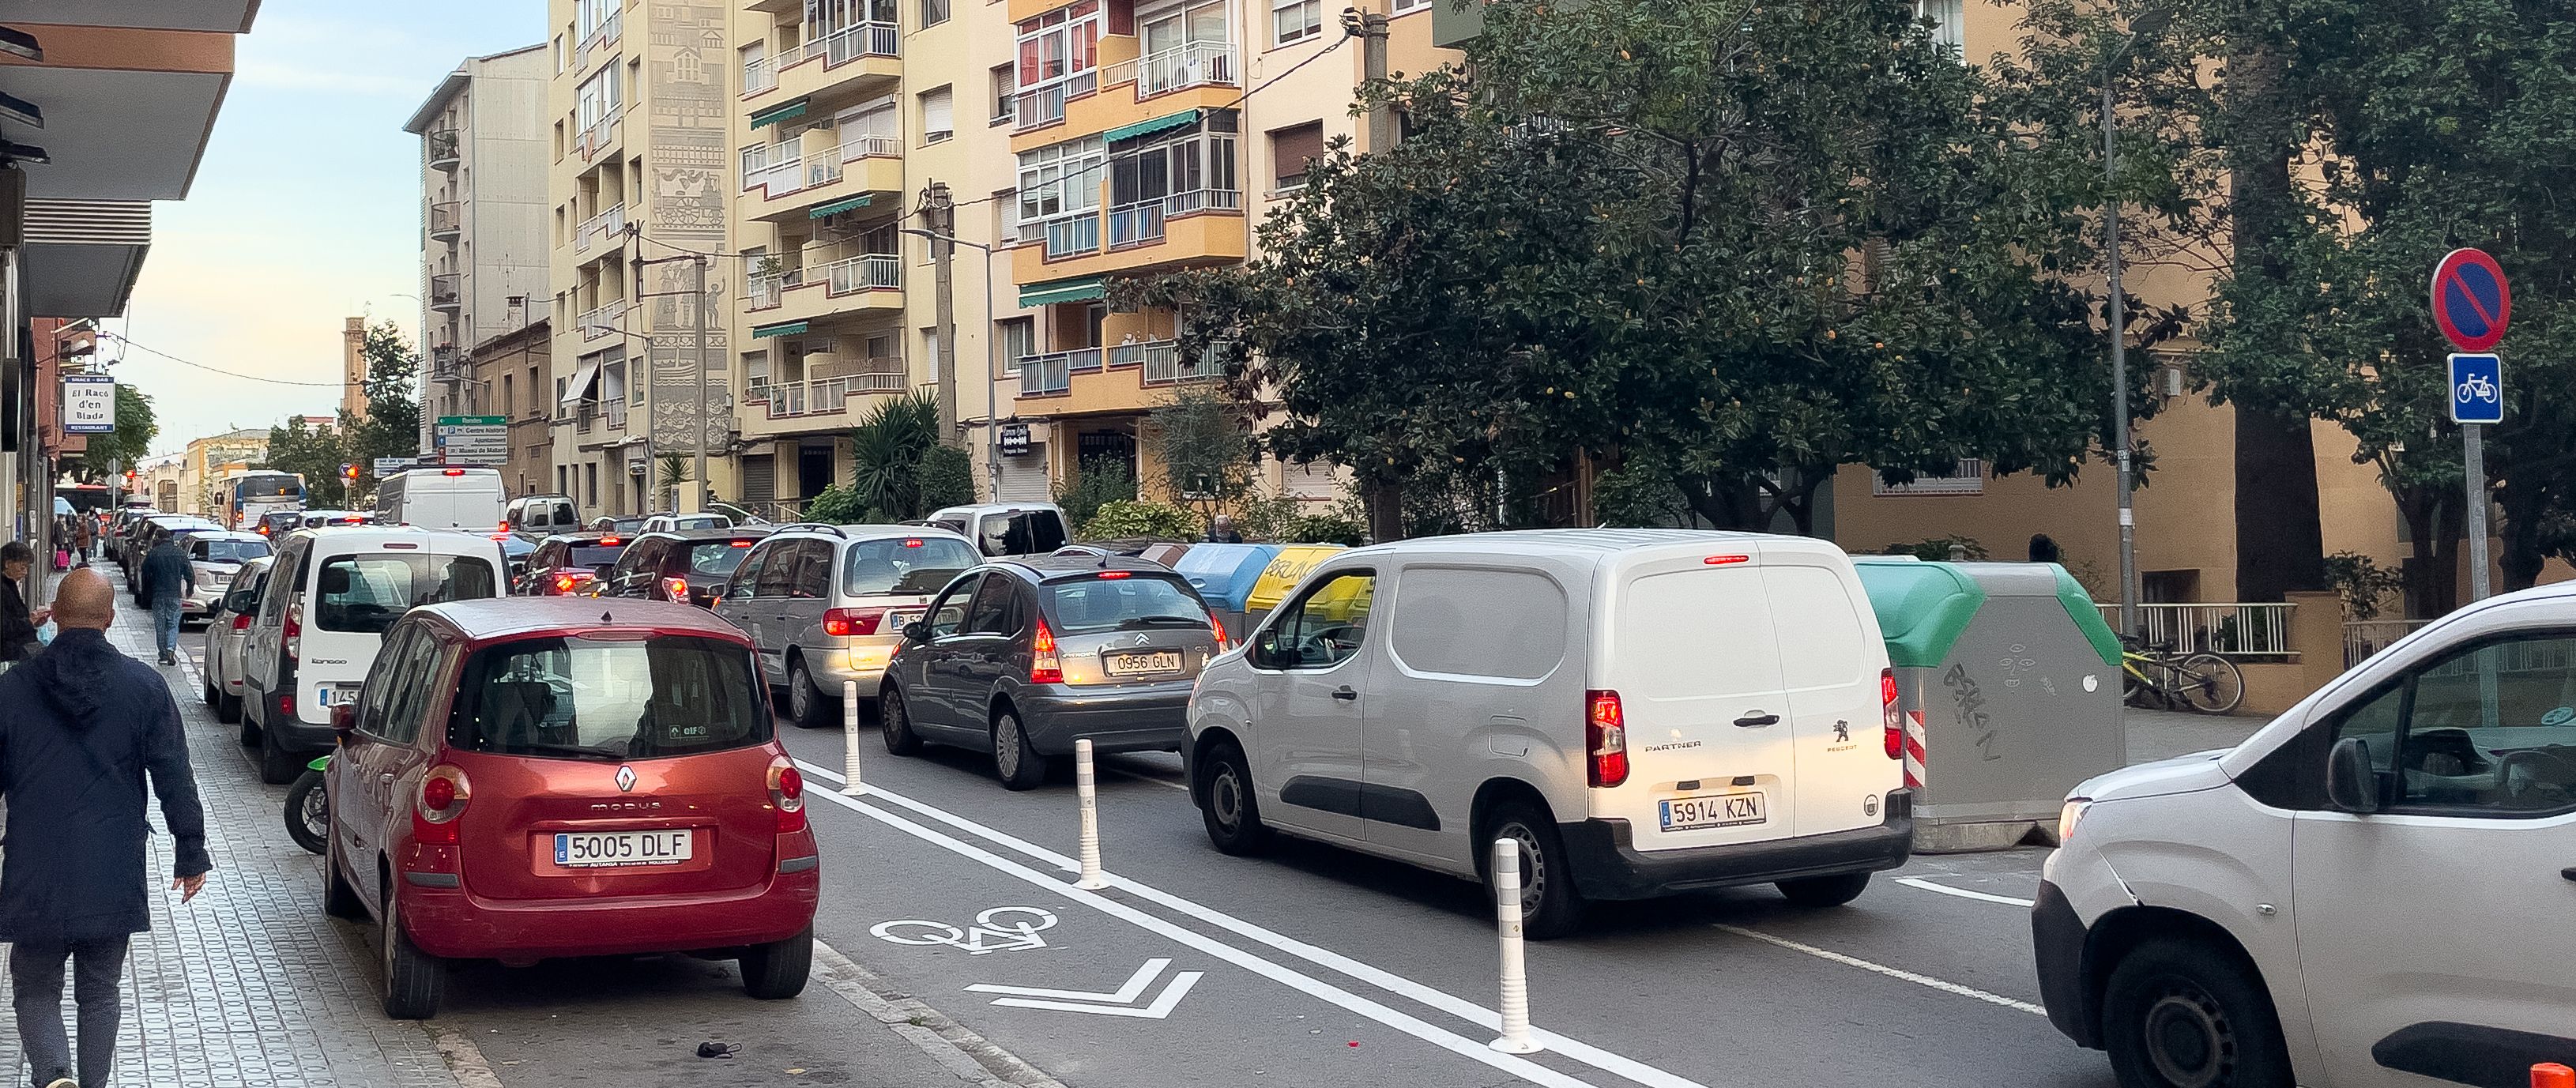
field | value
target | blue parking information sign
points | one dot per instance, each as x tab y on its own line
2477	389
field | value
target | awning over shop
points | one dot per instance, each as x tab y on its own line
783	328
1148	128
774	115
838	206
578	389
1084	289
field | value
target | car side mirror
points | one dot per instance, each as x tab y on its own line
2351	785
1264	653
344	720
916	631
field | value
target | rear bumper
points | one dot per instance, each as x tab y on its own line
862	662
456	923
1607	864
1127	718
2057	943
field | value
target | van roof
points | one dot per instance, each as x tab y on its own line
995	508
337	535
1593	543
519	617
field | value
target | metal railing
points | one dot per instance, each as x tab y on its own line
606	224
847	44
443	290
861	145
882	374
2240	628
1050	373
444	147
445	217
766	291
595	139
1165	366
759	75
600	37
442	362
2362	638
1198	64
602	320
867	272
1073	234
1202	200
1045	105
1136	224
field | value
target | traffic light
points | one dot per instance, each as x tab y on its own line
129	475
348	472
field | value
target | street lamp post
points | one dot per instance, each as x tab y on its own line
2148	22
992	367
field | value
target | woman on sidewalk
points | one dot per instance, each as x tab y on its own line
18	624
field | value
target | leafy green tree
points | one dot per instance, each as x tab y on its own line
946	477
670	471
1091	486
109	454
392	426
1202	440
314	452
1128	518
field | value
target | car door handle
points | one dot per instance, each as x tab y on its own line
1345	694
1751	721
2568	872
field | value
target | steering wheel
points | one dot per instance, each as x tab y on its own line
1332	644
2524	779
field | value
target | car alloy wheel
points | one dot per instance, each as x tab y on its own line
1014	762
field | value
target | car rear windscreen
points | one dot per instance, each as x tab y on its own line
609	700
714	560
908	564
1086	606
367	593
1023	532
596	556
234	551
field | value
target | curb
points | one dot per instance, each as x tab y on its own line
975	1059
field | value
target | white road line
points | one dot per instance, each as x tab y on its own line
1963	893
1143	777
1880	968
1615	1064
1473	1049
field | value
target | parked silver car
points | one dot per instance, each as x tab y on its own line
825	604
227	629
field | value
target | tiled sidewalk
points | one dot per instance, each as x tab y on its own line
250	985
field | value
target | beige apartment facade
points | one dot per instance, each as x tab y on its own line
484	259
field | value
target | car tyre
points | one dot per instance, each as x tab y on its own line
213	698
894	721
807	704
1550	905
308	813
277	766
228	708
2183	1012
1229	809
1824	891
339	897
415	981
1015	761
777	970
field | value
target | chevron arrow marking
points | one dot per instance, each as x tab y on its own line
1120	1002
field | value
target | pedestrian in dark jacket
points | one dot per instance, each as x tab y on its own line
85	725
17	624
168	579
1221	531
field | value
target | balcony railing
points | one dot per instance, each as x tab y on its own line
2362	638
1165	366
443	362
600	37
597	137
767	290
759	75
598	228
1203	200
861	145
829	395
1198	64
2231	628
443	291
868	272
1045	105
602	321
1053	373
445	219
847	44
444	147
1073	235
1134	224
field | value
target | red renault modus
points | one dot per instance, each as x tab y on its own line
525	778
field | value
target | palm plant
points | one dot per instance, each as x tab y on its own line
886	450
674	471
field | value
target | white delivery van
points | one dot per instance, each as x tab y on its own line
331	594
443	498
1643	711
2375	891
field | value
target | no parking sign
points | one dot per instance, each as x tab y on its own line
2470	300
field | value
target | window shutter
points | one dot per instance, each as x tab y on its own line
936	121
1291	147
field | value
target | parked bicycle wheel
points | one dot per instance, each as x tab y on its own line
2209	683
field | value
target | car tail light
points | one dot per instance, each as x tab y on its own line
453	472
787	795
1217	627
608	542
676	589
443	793
1044	666
286	704
564	583
1112	575
739	544
1605	736
1892	719
293	634
843	622
241	622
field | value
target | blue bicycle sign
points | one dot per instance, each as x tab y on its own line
2477	389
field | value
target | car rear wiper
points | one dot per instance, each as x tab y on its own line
1134	622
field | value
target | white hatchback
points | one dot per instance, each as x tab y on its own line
2378	890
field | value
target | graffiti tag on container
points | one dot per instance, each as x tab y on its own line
1969	704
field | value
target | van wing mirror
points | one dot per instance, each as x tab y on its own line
2351	785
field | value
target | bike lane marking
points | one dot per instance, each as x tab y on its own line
1963	893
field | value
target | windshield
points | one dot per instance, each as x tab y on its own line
609	700
625	525
270	487
232	551
912	564
596	556
367	593
1092	605
714	560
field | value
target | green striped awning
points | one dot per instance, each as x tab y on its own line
838	206
1077	290
1147	128
775	114
783	328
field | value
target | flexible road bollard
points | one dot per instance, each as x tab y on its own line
850	738
1085	790
1516	1037
2552	1075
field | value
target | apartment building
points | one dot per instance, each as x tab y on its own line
639	188
514	373
209	461
483	242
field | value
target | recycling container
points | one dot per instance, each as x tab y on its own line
1280	578
2009	682
1224	575
1166	554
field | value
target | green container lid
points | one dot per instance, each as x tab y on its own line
2088	619
1922	607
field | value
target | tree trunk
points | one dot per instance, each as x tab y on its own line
2432	581
2521	557
1723	502
1384	499
2279	545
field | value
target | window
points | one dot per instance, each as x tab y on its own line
930	351
609	701
991	611
936	121
592	472
949	613
1967	478
1090	606
600	97
1186	171
367	593
562	60
1059	193
1296	20
1290	148
1019	340
509	395
1949	20
1487	623
811	576
2484	728
1058	52
1402	6
712	561
934	12
777	569
1325	627
1006	221
1006	91
389	675
907	565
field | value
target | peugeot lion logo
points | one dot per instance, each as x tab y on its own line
625	779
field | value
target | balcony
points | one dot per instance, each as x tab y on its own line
773	7
600	136
445	149
602	321
443	363
444	293
1040	106
872	281
1198	64
805	171
1052	374
1165	366
600	229
446	220
601	37
830	395
1200	226
759	75
823	66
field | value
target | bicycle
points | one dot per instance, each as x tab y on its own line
2203	682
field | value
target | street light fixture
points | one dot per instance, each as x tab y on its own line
992	366
2150	21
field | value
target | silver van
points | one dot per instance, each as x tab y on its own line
826	604
1006	528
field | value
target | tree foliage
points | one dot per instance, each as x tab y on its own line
1119	518
316	453
887	450
109	454
392	426
1200	439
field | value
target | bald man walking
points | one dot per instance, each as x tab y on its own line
86	725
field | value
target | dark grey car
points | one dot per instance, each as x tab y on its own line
1022	657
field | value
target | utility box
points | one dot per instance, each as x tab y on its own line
1224	575
2009	682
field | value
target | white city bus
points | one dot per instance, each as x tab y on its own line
241	501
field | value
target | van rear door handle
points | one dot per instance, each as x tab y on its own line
2568	872
1752	720
1345	694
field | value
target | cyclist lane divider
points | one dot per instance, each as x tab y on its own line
1478	1050
850	738
1086	792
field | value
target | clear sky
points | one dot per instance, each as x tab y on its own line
306	210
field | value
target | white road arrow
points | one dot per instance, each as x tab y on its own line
1118	1003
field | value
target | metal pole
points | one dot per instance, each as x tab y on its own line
698	298
2119	369
2473	444
992	386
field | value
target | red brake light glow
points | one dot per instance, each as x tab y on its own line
241	622
453	472
914	542
1605	736
607	540
740	544
676	589
1044	666
1725	560
844	622
1217	627
1112	575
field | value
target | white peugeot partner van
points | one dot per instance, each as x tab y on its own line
2377	890
331	594
444	498
1645	711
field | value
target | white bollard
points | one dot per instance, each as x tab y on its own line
850	738
1084	789
1516	1037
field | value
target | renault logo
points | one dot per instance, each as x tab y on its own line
625	779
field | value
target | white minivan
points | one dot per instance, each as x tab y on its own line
1644	711
2378	890
331	594
443	498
